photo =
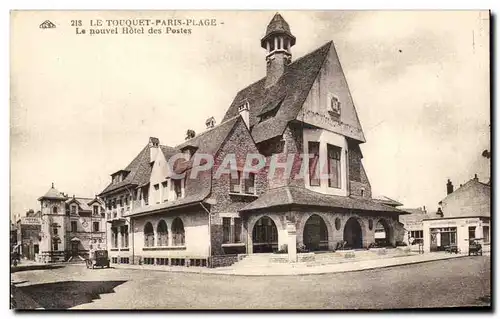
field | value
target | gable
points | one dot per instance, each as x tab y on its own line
159	169
332	84
292	88
472	199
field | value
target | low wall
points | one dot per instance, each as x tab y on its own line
301	258
222	260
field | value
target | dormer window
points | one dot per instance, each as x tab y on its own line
73	209
334	105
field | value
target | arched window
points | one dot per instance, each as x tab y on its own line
54	209
178	237
162	232
149	236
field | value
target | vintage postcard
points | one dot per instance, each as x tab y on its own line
212	159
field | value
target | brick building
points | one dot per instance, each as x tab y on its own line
70	226
300	107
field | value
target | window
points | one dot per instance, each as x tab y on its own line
250	184
157	193
235	182
120	201
96	209
114	237
91	247
162	232
149	236
55	245
126	200
54	230
226	229
334	105
333	166
145	195
124	236
54	209
486	234
417	235
237	230
177	188
164	186
96	226
313	148
178	237
73	209
472	232
362	192
74	226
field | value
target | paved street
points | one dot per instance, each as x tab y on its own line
457	282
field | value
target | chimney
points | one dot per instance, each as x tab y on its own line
210	123
425	210
244	110
475	177
449	187
277	42
440	212
154	143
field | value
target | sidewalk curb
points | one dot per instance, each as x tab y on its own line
297	274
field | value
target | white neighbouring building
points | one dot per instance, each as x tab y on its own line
466	214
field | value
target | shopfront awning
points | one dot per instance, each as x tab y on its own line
75	239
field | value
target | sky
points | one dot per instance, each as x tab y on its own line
83	106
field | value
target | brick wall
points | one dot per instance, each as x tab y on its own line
240	143
358	180
222	261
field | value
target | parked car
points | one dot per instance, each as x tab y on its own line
98	258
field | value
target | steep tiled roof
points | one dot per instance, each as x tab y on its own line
294	85
387	201
168	151
140	171
83	202
290	195
277	25
163	207
209	141
52	193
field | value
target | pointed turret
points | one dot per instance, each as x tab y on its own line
277	42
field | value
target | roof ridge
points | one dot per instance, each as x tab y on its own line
312	52
209	130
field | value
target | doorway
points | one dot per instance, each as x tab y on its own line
353	234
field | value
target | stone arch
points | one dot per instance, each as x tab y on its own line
387	228
316	235
327	218
264	235
354	232
252	219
